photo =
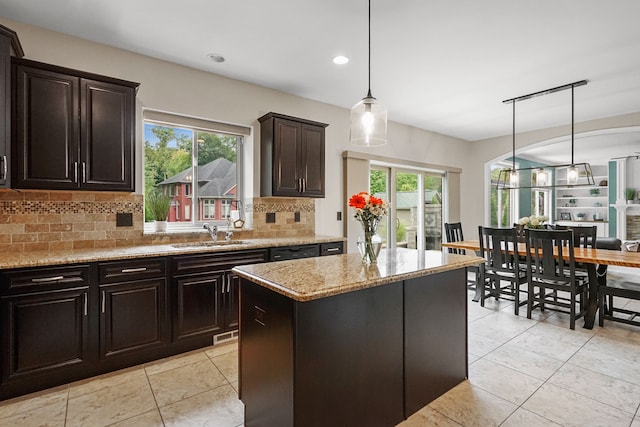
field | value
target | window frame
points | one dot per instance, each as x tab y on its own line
186	122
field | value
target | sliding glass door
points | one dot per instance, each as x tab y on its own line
415	214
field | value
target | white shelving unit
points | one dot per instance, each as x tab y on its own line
592	201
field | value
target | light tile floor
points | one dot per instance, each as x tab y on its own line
521	373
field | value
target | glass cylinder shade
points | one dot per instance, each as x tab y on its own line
541	177
368	123
572	175
513	178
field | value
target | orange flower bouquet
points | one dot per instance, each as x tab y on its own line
368	210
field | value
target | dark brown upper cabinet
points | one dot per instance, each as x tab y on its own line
9	46
292	156
72	130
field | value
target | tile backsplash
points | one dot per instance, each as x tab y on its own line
56	220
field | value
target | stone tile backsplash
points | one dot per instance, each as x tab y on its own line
56	220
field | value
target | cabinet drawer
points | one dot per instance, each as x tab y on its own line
294	252
136	269
331	248
44	278
193	264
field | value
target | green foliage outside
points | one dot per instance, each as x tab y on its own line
495	221
172	154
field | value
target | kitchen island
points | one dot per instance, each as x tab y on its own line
330	341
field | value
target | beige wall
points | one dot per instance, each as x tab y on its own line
174	88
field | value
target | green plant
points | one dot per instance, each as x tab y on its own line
581	215
158	206
594	191
630	193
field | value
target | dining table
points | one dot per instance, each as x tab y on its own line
596	261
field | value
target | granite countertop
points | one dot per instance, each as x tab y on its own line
46	258
313	278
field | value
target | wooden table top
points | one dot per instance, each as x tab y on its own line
590	256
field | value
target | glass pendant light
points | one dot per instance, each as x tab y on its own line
541	177
572	172
369	117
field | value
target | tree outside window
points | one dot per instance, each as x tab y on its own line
199	167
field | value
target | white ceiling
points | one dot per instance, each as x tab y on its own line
440	65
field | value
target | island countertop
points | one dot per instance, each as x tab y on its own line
313	278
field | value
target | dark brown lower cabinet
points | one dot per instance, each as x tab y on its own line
198	305
45	338
133	317
64	323
206	293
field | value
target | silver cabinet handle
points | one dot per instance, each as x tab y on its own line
333	249
47	279
85	303
75	172
84	172
134	270
4	167
304	185
103	303
229	278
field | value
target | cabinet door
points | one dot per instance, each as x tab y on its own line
312	161
133	317
5	109
46	127
106	125
231	301
286	152
198	306
44	332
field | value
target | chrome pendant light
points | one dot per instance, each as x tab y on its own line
369	117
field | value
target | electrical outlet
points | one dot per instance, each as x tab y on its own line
296	216
339	216
124	219
270	218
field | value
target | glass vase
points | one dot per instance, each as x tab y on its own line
369	242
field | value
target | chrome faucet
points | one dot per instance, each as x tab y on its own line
213	231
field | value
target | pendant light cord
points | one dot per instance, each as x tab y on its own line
369	91
572	121
513	139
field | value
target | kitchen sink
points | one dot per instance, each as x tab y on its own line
208	244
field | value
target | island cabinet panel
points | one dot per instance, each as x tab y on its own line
323	362
435	324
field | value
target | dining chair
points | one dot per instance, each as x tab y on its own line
553	275
611	306
583	237
453	233
498	246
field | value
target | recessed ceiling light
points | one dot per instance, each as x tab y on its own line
340	60
215	57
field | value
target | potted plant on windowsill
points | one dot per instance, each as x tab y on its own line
158	205
630	194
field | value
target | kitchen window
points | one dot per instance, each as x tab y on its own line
197	163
